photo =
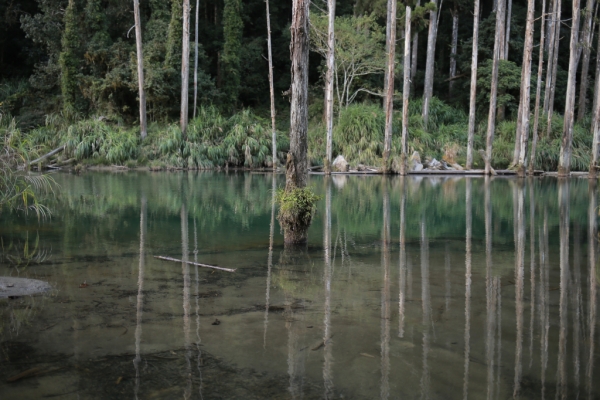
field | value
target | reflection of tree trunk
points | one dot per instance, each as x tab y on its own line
426	301
140	295
563	201
544	300
198	340
576	298
468	223
519	284
186	299
328	357
447	278
592	251
491	296
531	268
385	297
402	261
270	260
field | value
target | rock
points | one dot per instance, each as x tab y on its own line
417	167
12	287
435	164
340	164
361	167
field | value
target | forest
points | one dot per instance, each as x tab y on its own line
516	85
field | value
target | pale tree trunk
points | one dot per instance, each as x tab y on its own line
554	65
185	67
140	67
405	91
389	79
507	33
536	117
196	60
597	76
329	83
429	65
473	95
595	130
271	89
503	56
500	18
453	47
552	39
586	43
523	135
414	55
564	162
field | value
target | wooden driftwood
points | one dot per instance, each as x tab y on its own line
193	263
53	152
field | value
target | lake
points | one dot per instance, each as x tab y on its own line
431	288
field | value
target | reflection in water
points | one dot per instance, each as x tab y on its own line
576	298
402	259
328	357
544	296
426	301
531	268
197	292
563	201
519	281
269	261
140	295
187	393
468	223
385	298
592	250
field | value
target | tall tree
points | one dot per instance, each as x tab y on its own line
196	59
595	128
552	65
174	35
585	48
271	90
522	133
405	91
140	67
564	162
453	47
429	64
69	60
536	117
473	94
507	30
233	29
389	80
185	67
500	18
597	76
329	82
414	54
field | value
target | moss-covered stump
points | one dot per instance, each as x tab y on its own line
297	207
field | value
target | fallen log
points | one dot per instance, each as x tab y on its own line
194	263
53	152
62	163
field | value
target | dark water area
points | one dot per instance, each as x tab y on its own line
430	288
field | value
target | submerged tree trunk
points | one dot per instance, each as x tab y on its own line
536	117
405	92
272	90
453	48
473	94
140	67
429	65
586	44
196	60
551	81
389	79
185	67
329	83
500	17
523	135
564	162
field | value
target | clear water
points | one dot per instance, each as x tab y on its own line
434	288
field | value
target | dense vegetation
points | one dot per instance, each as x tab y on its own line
68	76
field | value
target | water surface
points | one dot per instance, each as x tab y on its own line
431	288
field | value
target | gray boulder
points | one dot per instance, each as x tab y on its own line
340	164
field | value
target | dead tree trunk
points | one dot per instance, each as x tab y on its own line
500	18
564	162
523	135
595	127
414	54
405	91
507	31
552	22
597	76
536	117
586	44
389	79
329	79
429	64
185	67
552	79
272	90
140	67
471	134
453	47
196	60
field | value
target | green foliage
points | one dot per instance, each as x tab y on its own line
296	207
509	84
69	58
233	28
358	133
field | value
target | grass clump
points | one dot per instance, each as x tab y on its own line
296	210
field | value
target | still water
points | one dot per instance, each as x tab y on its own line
430	288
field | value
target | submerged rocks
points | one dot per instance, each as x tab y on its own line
14	287
340	164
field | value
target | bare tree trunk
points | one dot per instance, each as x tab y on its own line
140	67
500	18
454	47
507	33
196	60
185	67
471	134
414	54
586	44
564	162
597	78
272	90
405	91
329	79
429	65
523	135
552	79
389	79
595	127
536	117
553	39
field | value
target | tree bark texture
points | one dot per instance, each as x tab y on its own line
429	64
564	162
185	67
536	117
329	83
405	92
500	18
554	64
453	47
389	90
297	165
597	76
414	54
586	44
271	89
140	67
507	32
196	59
523	135
596	123
473	95
552	41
